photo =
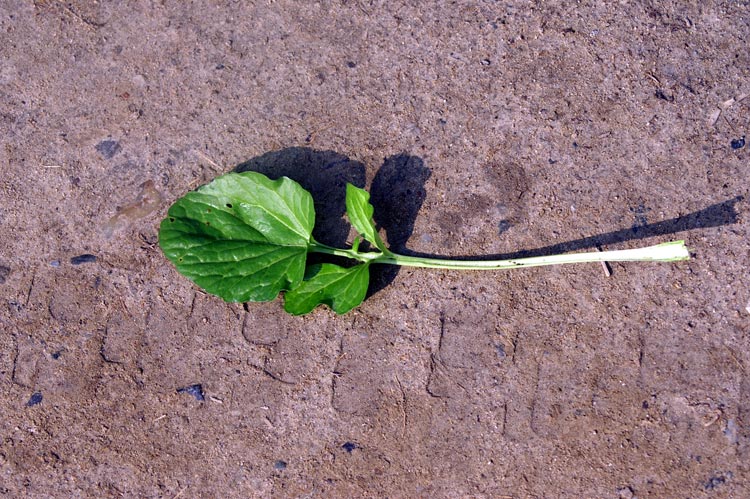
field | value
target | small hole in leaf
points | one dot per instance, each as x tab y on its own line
208	223
229	205
179	259
208	210
171	219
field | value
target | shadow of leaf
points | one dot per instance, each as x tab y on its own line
397	193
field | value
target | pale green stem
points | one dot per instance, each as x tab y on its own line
346	253
664	252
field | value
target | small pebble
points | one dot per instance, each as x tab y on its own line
351	64
54	263
738	143
660	94
730	431
485	62
36	398
500	349
349	447
85	258
139	81
194	390
728	103
4	272
279	465
625	493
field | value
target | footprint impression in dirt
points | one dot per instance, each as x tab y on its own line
495	204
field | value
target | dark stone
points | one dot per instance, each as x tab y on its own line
4	271
108	148
717	480
194	390
349	447
738	143
500	348
279	465
351	64
85	258
36	398
663	96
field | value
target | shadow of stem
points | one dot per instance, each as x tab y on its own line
716	215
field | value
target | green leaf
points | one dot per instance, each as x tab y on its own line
359	210
340	288
242	237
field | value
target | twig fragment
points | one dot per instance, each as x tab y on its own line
605	265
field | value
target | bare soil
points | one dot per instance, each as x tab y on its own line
482	128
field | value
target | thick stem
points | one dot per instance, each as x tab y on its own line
665	252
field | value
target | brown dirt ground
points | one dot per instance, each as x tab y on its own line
482	128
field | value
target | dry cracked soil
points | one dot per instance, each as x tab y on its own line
481	128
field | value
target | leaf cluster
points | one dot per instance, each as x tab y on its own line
245	237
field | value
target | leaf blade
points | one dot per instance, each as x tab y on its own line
279	209
340	288
360	211
242	237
